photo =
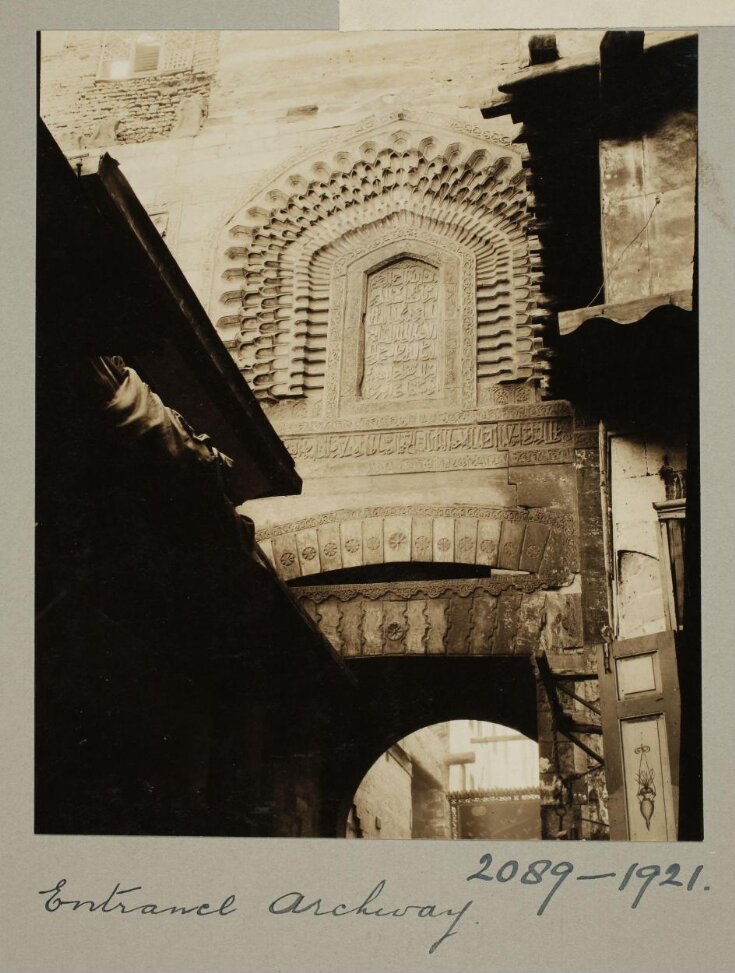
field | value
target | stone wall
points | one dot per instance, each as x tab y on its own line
573	784
257	115
84	111
403	794
382	804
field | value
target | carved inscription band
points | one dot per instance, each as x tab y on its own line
431	439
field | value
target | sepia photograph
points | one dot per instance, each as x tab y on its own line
367	449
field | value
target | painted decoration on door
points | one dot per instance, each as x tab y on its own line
647	780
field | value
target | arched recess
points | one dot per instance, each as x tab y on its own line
410	694
274	297
422	363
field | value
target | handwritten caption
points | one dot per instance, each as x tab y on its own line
636	882
542	871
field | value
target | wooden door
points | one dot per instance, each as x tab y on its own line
639	699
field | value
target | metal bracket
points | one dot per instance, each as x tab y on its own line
561	721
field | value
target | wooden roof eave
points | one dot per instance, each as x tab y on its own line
194	337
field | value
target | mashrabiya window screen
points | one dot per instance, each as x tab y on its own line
131	54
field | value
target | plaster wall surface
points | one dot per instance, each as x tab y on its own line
648	209
636	484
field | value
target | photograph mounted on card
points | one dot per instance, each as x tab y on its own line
367	392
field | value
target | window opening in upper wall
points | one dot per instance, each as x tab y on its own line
127	54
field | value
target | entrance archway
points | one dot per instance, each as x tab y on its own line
407	694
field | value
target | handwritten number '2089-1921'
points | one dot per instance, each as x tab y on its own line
536	870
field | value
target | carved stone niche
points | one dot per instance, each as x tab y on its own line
396	335
283	275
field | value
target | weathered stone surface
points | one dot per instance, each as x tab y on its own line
372	628
529	623
286	556
330	547
436	612
482	629
329	622
351	615
488	541
465	539
403	794
591	545
383	799
104	133
307	545
460	622
490	294
444	618
397	534
418	623
402	332
372	540
444	447
351	535
395	627
511	541
562	621
146	106
561	557
422	534
534	545
443	539
507	618
188	116
545	485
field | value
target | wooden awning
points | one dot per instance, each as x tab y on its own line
625	312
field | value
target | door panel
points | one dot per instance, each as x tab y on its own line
639	698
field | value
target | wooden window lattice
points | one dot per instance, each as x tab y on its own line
130	54
147	56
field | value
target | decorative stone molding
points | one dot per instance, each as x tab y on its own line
540	543
289	418
475	618
288	245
